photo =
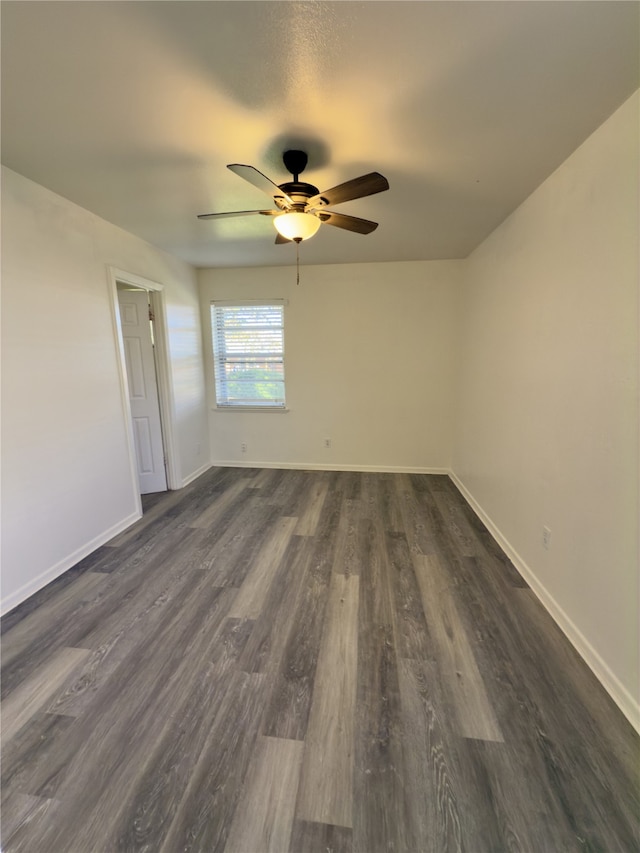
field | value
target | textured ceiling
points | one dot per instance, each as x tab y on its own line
133	110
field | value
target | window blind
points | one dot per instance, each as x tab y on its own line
248	350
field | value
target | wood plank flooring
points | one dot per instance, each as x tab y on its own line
305	662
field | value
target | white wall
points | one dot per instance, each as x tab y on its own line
547	415
368	363
66	479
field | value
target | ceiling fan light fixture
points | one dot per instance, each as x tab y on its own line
296	226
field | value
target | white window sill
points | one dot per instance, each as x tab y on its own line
271	410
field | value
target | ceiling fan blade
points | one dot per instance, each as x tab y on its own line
349	223
238	213
262	182
365	185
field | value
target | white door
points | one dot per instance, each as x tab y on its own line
143	390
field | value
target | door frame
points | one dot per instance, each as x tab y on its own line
163	374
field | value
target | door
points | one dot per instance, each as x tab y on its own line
143	390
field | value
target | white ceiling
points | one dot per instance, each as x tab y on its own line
133	110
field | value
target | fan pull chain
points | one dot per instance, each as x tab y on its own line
297	262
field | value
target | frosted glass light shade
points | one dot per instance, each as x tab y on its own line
296	226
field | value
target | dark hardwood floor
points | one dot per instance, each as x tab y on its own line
312	662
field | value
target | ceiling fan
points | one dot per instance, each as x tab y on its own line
301	208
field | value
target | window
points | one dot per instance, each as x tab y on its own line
248	353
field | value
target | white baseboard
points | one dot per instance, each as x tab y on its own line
201	470
611	683
315	466
32	586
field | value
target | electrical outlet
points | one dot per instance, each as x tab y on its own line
327	442
243	447
546	538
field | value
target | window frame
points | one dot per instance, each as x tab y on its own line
222	403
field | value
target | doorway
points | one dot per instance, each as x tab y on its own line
136	322
145	378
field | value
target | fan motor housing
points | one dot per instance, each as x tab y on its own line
298	191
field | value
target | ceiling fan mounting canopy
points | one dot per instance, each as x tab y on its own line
299	191
305	200
295	162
